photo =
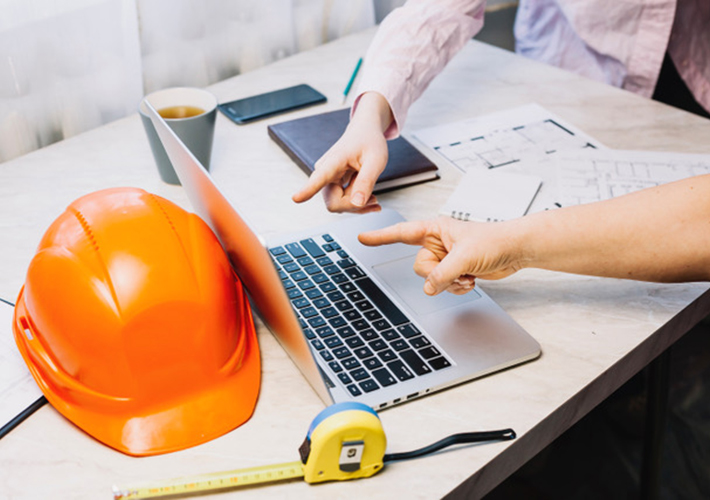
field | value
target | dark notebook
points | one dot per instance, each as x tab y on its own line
306	139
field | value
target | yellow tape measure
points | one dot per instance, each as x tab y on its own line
211	482
345	441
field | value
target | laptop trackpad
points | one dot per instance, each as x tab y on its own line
399	275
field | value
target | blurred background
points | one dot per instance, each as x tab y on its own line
69	66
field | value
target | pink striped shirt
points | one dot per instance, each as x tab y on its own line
619	42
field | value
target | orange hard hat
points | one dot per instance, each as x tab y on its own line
135	327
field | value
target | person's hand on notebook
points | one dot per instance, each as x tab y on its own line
348	171
454	253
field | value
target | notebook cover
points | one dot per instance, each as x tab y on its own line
306	139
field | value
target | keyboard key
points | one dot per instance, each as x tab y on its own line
325	331
360	324
312	248
369	334
326	355
347	287
419	342
309	333
293	293
321	278
345	378
408	330
415	362
300	302
343	254
337	321
345	332
324	261
320	303
277	251
369	385
308	312
329	312
331	269
381	300
359	374
352	315
372	363
378	345
354	390
328	247
335	246
389	335
364	352
292	267
288	284
345	263
339	278
350	363
354	272
328	238
364	305
312	269
302	322
439	363
355	342
327	286
313	293
343	352
298	276
316	321
332	342
373	314
384	377
356	296
387	355
380	324
317	344
306	285
429	352
399	345
400	370
305	261
343	305
295	250
283	259
335	366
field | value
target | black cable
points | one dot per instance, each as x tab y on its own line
464	437
7	302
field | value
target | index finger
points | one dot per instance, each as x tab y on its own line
411	233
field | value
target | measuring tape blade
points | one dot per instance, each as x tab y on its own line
213	481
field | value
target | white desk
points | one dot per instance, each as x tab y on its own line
595	333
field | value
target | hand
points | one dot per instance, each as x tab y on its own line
348	171
455	253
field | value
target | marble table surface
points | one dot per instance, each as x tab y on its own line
595	333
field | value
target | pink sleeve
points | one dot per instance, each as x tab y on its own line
412	45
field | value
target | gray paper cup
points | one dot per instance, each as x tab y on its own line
197	132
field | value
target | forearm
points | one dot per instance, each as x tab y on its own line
658	234
373	110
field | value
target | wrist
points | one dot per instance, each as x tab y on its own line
373	108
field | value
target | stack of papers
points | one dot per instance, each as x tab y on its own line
504	156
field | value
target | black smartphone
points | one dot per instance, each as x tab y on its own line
271	103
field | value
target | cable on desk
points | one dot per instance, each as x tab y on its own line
462	438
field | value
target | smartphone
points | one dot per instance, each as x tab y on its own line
271	103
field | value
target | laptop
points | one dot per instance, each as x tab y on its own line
354	319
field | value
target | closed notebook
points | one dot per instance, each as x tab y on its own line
306	139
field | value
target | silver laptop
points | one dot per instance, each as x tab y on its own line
353	318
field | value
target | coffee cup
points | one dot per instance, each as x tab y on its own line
191	114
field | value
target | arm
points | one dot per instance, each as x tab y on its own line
411	47
658	234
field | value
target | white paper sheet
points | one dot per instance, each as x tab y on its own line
18	389
589	176
504	138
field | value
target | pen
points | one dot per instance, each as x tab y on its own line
352	79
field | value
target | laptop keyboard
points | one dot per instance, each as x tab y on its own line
364	338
